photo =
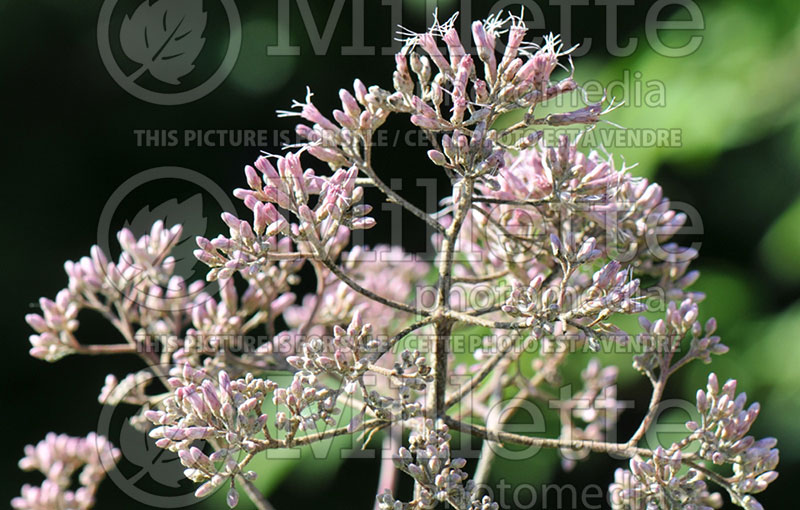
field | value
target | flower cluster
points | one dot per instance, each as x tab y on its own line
353	352
659	482
610	291
363	111
722	433
289	188
662	339
226	413
628	218
556	243
58	458
308	402
140	288
520	80
440	477
54	328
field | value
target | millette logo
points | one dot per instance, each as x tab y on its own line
165	51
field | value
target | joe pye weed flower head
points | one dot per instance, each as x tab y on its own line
578	239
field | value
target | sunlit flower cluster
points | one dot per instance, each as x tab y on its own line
538	252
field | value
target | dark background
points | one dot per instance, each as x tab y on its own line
69	143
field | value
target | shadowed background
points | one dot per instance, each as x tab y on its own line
69	137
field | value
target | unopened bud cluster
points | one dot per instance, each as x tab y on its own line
441	478
58	458
660	482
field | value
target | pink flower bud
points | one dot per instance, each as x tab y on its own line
437	157
253	180
260	218
232	498
485	45
349	104
428	43
363	223
361	92
306	214
312	114
516	34
713	383
454	46
205	490
428	123
36	322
